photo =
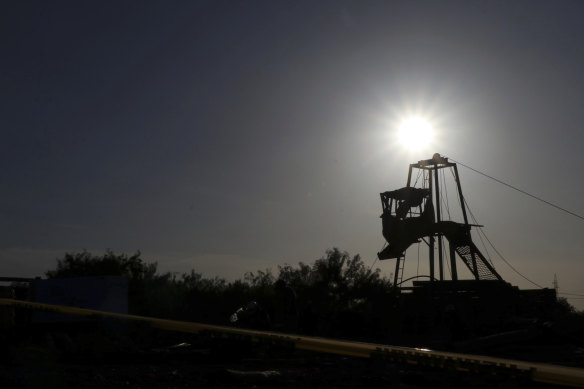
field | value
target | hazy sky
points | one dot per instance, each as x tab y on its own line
232	136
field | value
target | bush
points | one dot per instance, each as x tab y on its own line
332	286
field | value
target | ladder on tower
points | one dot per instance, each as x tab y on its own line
399	270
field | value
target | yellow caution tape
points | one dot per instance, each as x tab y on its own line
546	373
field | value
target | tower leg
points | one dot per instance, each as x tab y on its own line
453	262
396	274
431	258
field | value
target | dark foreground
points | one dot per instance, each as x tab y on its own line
62	360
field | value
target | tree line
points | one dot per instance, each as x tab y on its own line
337	291
337	295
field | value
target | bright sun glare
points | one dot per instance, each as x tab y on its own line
415	133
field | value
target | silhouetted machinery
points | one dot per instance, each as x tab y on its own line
413	214
420	213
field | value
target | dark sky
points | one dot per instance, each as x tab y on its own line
232	136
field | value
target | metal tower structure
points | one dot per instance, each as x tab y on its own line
412	215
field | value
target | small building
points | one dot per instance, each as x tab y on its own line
103	293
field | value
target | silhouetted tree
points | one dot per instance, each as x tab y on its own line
110	264
333	285
342	292
564	307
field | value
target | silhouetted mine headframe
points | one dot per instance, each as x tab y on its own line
448	303
413	214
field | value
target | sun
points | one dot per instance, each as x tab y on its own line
415	133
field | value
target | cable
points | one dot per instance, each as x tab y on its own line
520	190
475	221
571	294
481	232
525	193
447	264
372	265
508	264
376	258
444	196
417	178
495	249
